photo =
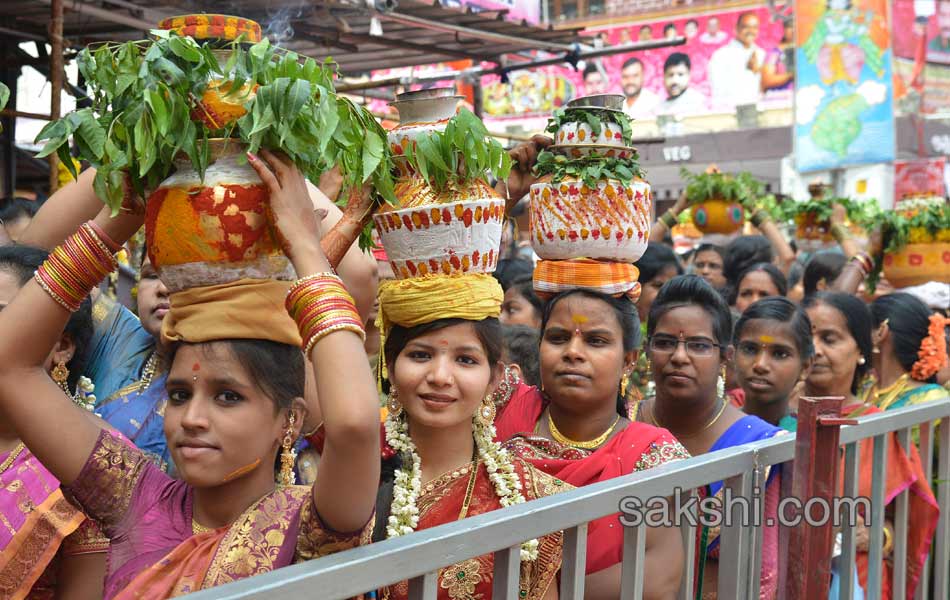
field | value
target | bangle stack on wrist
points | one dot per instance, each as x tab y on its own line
669	219
759	217
321	305
864	262
73	269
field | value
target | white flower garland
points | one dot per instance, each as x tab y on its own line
404	514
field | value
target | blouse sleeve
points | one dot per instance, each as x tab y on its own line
315	539
87	539
111	474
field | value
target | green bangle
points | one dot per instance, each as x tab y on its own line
760	216
668	219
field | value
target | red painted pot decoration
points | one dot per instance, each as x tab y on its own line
213	231
213	27
718	216
917	264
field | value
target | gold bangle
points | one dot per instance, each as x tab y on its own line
333	329
303	280
888	541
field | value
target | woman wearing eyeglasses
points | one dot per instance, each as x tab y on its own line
576	428
689	330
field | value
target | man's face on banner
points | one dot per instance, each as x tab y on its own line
631	78
747	30
943	18
594	83
712	26
676	80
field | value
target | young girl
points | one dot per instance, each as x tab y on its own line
235	385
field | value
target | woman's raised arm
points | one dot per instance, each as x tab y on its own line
57	431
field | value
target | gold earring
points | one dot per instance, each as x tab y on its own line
624	384
288	455
486	412
60	375
393	404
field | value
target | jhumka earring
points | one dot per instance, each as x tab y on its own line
624	384
486	412
721	384
393	404
60	375
288	456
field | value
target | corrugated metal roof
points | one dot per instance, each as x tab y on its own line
413	32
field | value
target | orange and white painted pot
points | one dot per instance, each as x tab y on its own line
213	231
594	150
450	238
574	132
571	220
917	264
718	216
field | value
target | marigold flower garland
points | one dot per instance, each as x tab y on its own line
932	355
404	514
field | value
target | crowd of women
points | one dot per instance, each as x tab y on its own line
153	454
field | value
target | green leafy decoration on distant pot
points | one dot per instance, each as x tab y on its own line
589	169
144	94
860	212
460	154
595	117
742	187
911	222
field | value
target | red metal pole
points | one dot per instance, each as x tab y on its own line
808	573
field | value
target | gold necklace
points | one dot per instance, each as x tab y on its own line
469	490
722	409
586	445
14	454
885	397
197	528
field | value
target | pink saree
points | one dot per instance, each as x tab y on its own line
154	553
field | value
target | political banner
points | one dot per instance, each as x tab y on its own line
921	55
919	177
844	108
730	59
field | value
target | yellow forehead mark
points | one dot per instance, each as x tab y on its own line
766	339
579	319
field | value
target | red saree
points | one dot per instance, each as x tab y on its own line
637	447
904	472
443	500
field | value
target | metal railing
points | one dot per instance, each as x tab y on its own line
418	557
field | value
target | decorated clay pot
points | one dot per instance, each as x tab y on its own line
575	132
601	150
808	227
602	101
419	113
218	107
718	216
916	264
448	238
610	221
213	231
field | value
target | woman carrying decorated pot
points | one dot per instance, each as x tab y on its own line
841	331
910	348
690	331
442	350
773	354
48	547
235	386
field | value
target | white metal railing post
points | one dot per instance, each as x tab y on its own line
574	563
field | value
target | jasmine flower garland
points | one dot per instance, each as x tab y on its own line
404	514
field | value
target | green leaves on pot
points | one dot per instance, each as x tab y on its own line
595	117
860	212
463	152
147	99
590	169
741	187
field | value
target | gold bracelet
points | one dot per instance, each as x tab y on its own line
888	541
332	329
